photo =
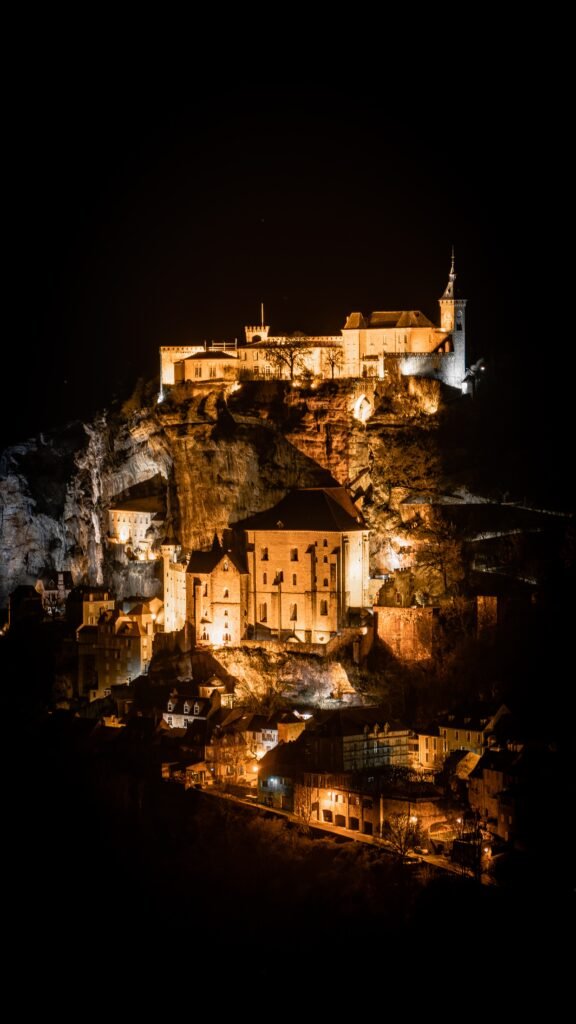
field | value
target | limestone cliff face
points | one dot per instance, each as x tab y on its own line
214	457
209	467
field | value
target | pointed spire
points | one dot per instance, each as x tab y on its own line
449	290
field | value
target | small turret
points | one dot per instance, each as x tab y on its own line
259	332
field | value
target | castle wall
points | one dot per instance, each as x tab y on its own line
448	366
408	633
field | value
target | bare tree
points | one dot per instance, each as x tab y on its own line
402	832
334	357
438	562
289	354
304	803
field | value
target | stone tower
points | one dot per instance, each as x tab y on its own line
453	318
258	332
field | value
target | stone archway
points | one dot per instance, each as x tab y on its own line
362	408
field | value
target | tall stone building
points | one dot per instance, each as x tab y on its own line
217	588
294	572
307	558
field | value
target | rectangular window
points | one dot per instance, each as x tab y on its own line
293	554
263	612
197	371
294	578
293	612
264	577
323	607
264	555
212	371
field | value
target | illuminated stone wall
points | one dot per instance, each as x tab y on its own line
408	633
174	590
303	582
126	525
217	604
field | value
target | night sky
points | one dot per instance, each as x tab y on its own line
133	223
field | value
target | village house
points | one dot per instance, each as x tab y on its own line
358	738
184	707
238	744
118	648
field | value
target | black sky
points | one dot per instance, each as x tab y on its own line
133	223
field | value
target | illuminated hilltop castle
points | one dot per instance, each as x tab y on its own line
366	347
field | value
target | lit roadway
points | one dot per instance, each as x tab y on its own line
441	863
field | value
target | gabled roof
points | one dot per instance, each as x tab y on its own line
328	509
399	318
354	320
204	562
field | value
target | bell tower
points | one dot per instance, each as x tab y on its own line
453	320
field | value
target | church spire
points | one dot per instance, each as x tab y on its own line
449	290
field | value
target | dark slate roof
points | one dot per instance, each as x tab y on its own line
210	355
494	760
284	759
474	717
328	509
351	721
205	561
354	320
399	318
